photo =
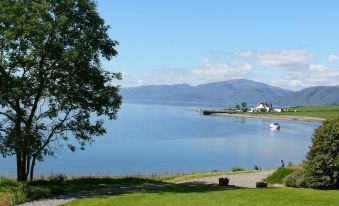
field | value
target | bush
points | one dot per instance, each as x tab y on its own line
279	175
322	161
296	179
20	194
60	178
237	169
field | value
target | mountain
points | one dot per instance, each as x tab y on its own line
225	92
232	92
321	95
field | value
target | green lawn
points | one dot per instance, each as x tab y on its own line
180	195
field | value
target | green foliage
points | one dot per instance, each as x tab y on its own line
244	106
51	78
279	175
20	194
262	110
237	106
296	179
322	161
237	169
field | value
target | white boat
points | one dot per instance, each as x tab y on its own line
274	126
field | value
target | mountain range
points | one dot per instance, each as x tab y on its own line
232	92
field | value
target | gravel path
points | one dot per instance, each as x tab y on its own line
62	199
247	180
238	180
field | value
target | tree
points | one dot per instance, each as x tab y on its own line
244	106
322	161
52	84
237	106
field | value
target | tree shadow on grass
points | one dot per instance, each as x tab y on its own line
165	188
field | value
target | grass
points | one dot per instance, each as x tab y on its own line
278	176
19	192
325	112
328	111
59	184
201	195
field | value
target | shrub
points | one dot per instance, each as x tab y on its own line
256	167
296	179
279	175
20	194
322	161
60	178
237	169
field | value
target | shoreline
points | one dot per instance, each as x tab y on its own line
258	116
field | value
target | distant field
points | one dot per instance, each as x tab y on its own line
329	111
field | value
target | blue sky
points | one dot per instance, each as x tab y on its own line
290	44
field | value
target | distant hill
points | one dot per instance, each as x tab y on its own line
321	95
226	92
232	92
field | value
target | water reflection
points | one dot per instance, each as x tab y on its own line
173	139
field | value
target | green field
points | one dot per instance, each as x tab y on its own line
199	195
329	111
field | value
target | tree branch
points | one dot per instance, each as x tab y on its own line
53	131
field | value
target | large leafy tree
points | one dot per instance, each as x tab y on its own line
52	84
322	161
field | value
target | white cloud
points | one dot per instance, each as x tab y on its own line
296	70
332	58
279	58
206	72
315	75
209	71
317	68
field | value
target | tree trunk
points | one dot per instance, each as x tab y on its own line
31	175
28	162
21	166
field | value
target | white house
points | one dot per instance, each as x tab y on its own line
267	106
277	110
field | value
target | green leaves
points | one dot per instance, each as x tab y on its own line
322	161
51	78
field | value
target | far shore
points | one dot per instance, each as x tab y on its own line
267	116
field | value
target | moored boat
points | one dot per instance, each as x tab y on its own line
274	126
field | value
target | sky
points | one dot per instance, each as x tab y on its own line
290	44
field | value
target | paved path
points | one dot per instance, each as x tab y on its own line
62	199
247	180
238	180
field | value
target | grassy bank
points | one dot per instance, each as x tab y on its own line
11	190
186	195
278	176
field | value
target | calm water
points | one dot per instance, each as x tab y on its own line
175	139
